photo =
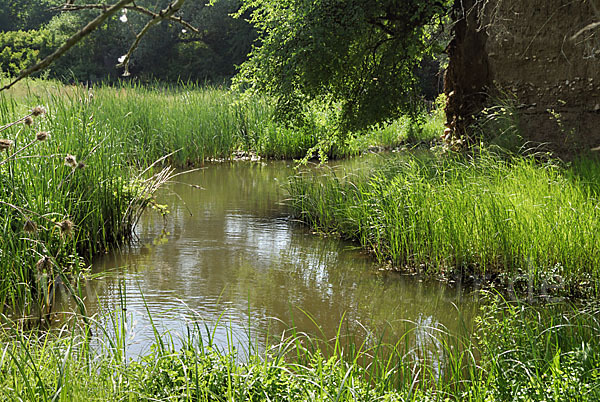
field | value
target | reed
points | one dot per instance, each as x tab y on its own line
526	222
520	352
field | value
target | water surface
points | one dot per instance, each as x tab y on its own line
230	254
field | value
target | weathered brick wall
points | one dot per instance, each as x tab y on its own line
530	54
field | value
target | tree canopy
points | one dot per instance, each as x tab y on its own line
359	55
170	51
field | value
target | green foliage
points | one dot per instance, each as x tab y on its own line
549	353
168	52
25	15
20	49
357	55
521	222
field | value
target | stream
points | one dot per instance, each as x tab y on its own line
230	257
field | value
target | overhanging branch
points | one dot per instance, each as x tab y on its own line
90	27
132	7
167	13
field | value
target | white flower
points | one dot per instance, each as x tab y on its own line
184	31
122	58
123	17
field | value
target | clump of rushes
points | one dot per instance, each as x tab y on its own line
488	217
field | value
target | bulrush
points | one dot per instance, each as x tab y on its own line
30	226
42	136
38	111
71	161
5	144
65	227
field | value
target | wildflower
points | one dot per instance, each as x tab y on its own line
66	227
71	161
42	136
5	144
123	17
43	264
38	111
122	58
28	121
30	226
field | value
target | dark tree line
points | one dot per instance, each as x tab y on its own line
32	29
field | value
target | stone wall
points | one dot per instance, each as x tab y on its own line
525	51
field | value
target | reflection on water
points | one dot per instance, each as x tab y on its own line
230	254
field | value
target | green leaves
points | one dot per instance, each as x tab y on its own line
357	53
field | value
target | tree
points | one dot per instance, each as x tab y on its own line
359	55
107	11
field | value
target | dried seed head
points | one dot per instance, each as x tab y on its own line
43	264
42	136
38	111
71	161
81	165
28	121
65	227
5	144
30	226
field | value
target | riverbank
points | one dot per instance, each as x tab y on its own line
518	353
76	177
78	190
517	222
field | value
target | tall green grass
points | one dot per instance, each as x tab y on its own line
200	123
63	198
514	218
520	353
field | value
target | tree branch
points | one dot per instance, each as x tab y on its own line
167	13
589	27
91	26
132	7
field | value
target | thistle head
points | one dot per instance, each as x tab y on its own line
71	161
5	144
30	226
66	227
43	264
42	136
38	111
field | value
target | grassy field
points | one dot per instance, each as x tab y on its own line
517	220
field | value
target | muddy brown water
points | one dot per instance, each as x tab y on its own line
230	257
